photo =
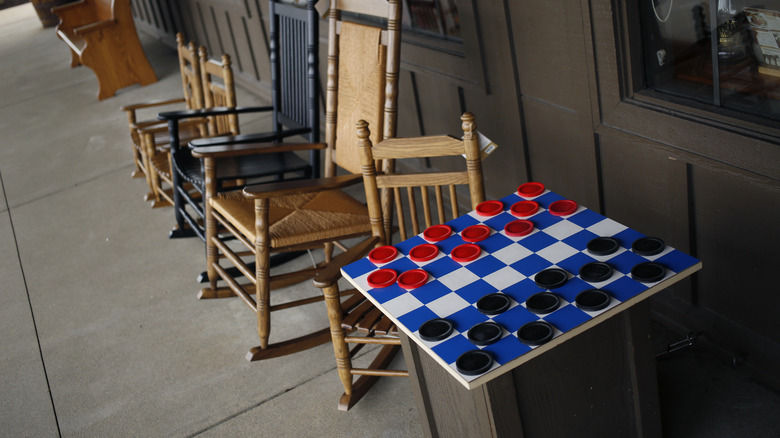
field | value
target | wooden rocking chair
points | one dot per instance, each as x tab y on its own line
356	320
153	131
297	215
294	58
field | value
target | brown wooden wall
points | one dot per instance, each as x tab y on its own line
559	98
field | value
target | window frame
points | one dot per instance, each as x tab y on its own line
710	114
686	129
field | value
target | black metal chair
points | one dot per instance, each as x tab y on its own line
294	51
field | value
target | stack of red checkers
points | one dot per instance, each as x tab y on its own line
424	252
530	189
382	254
489	208
519	228
524	208
437	233
564	207
412	279
466	252
382	278
475	233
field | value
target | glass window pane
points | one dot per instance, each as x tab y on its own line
749	54
722	52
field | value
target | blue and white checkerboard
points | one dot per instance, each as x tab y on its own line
508	264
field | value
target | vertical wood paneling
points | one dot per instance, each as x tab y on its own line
562	151
646	189
156	18
643	187
553	77
738	240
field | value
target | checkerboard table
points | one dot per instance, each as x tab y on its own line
508	264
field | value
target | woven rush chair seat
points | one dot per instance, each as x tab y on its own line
297	219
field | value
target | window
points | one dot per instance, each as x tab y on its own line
436	17
724	53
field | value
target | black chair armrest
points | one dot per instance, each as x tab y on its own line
216	111
264	137
235	150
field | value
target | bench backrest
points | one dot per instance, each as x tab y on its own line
105	8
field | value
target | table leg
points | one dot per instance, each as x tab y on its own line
603	381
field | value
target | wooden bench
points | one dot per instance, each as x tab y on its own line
101	35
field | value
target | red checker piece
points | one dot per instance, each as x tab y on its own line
475	233
530	189
437	233
412	279
519	228
424	252
382	278
524	208
489	208
466	252
382	254
564	207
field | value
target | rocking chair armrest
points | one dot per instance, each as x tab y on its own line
260	137
236	150
137	106
332	272
160	127
216	111
284	188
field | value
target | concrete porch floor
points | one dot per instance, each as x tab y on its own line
102	333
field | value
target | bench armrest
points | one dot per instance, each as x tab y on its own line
94	27
222	151
284	188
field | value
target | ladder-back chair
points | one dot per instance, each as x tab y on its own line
154	132
217	90
294	55
307	214
356	320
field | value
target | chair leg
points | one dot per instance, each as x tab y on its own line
180	230
337	334
328	249
263	295
139	171
361	386
152	180
210	224
262	271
